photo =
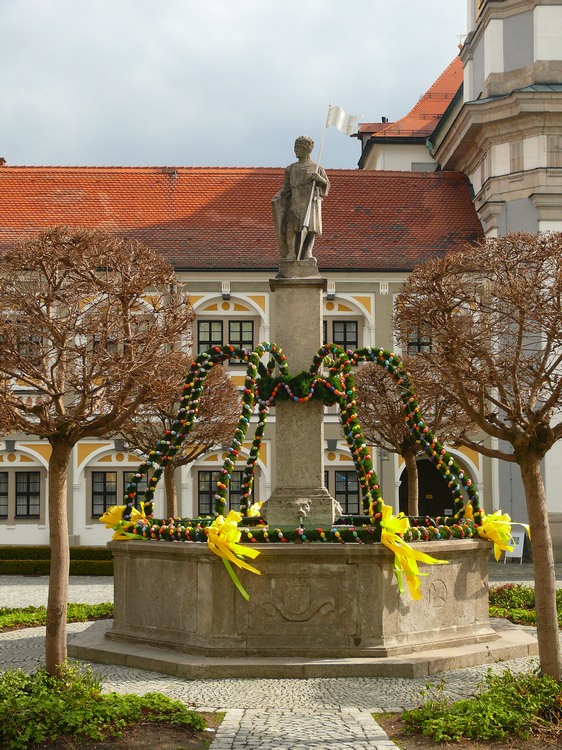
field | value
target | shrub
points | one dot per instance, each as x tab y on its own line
512	705
40	707
517	603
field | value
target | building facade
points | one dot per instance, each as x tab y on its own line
215	227
480	154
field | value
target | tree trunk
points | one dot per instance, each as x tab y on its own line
55	642
413	488
543	558
171	491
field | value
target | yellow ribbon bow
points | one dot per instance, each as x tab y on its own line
113	519
254	510
405	558
496	528
223	538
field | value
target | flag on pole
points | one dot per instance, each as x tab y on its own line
345	123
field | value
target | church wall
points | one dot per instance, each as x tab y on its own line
511	493
521	216
478	73
398	157
547	32
518	45
534	152
493	48
500	158
553	481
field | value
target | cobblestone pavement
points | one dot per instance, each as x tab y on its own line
311	714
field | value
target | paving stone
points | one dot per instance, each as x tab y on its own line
282	714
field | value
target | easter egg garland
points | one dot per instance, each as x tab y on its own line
260	392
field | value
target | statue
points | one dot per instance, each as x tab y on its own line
297	206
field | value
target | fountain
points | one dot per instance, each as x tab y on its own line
328	599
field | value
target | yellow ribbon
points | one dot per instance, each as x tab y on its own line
113	519
496	528
405	558
254	510
223	538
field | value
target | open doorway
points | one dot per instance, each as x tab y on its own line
435	497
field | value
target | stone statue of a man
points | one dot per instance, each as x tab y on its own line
297	206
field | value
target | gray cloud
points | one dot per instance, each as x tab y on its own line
220	82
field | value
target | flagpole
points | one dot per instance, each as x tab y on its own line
306	221
321	148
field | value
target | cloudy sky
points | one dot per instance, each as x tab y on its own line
209	82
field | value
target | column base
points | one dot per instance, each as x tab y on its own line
288	507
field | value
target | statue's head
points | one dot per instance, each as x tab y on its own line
306	142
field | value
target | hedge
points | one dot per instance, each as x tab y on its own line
35	560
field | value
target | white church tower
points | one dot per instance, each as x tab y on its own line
505	132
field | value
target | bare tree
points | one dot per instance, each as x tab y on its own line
86	323
494	313
215	425
380	409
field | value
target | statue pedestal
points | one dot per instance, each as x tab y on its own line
299	494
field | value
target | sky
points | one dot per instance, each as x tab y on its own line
210	82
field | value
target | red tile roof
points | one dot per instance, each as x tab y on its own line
372	127
422	119
220	218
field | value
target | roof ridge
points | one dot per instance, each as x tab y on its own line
123	168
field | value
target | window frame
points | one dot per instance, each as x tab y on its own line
240	342
123	477
225	322
234	493
328	325
418	343
93	493
516	156
348	495
27	494
12	471
4	494
210	341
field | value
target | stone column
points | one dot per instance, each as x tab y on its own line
298	481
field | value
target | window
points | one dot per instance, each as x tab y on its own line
235	490
516	156
343	333
554	148
418	344
104	491
241	334
142	484
209	333
3	494
105	344
206	481
108	488
483	170
28	494
206	488
347	491
21	495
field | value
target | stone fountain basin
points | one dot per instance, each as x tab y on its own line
311	600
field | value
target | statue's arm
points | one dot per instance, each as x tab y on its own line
284	191
321	179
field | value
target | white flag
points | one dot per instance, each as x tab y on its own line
345	123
